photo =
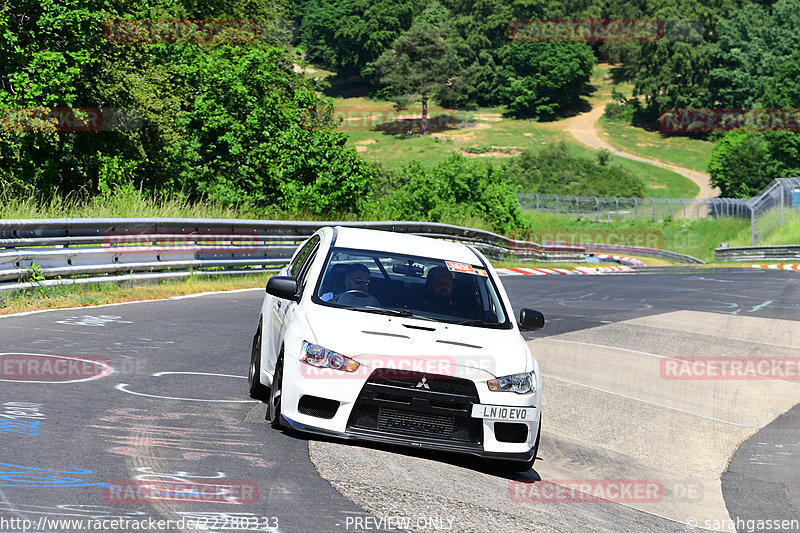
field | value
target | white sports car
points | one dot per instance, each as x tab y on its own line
400	339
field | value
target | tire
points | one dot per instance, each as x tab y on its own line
257	390
275	393
522	466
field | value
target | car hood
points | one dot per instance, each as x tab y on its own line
382	341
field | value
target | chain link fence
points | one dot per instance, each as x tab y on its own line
607	209
767	211
771	209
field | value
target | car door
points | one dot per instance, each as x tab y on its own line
298	269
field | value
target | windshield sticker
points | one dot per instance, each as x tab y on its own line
453	266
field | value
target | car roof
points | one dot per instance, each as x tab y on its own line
388	241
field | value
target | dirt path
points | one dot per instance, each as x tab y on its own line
583	128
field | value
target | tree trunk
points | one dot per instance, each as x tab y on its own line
424	114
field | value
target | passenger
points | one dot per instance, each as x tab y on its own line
439	292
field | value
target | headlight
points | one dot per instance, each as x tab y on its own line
323	358
519	383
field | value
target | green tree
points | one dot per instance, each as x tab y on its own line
744	162
229	122
673	73
783	90
349	34
419	65
457	190
545	78
750	47
740	164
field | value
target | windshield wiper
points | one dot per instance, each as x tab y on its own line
481	323
391	312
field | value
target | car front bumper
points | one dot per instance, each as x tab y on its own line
414	416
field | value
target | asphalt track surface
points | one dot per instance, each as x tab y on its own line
161	395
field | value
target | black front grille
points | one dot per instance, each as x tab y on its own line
432	382
393	402
410	423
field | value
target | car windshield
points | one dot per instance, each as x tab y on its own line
408	285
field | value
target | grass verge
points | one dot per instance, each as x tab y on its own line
65	296
697	238
674	149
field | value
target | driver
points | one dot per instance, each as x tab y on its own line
356	278
356	283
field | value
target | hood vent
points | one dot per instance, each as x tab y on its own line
423	328
454	343
385	334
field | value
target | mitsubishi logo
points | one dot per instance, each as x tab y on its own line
423	383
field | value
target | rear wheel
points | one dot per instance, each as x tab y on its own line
257	390
275	392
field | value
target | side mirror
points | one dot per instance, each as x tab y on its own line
530	319
284	287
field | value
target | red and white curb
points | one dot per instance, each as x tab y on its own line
524	271
632	260
778	267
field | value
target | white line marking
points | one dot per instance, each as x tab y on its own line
652	403
159	374
121	387
106	372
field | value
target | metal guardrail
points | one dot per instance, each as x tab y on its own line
756	253
59	251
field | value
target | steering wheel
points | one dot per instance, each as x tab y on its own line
355	293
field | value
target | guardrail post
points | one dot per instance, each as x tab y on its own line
781	184
577	207
596	209
537	201
617	200
635	209
684	208
669	206
557	213
654	208
752	226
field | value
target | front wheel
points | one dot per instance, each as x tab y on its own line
275	392
257	390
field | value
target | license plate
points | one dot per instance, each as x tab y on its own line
503	412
